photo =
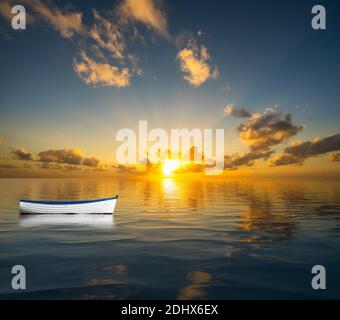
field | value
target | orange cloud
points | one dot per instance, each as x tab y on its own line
6	9
66	22
194	64
107	36
148	12
105	74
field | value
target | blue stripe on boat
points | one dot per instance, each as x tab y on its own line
68	202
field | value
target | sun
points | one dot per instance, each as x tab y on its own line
169	166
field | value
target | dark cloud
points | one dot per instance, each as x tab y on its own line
72	167
270	128
50	165
298	152
71	156
247	159
67	156
64	167
91	162
285	159
58	166
314	148
21	154
238	112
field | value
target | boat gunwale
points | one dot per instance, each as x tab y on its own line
68	202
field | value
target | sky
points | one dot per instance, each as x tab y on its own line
81	71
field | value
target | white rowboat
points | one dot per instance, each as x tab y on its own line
99	206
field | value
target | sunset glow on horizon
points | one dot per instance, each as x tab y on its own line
170	166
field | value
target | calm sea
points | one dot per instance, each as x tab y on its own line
174	239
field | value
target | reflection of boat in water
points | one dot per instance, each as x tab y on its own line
99	206
91	220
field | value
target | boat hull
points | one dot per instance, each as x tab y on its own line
101	206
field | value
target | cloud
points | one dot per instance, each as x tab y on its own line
313	148
8	166
335	157
21	154
267	129
91	162
148	12
104	74
130	169
183	38
55	158
67	156
215	73
6	9
65	21
69	167
71	156
106	41
135	64
247	159
107	36
2	140
285	159
101	38
194	64
300	151
51	166
60	167
238	112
